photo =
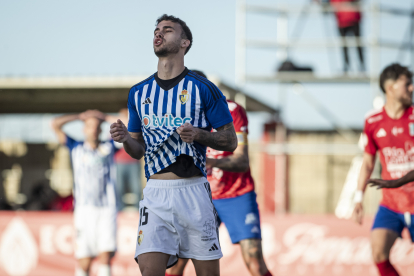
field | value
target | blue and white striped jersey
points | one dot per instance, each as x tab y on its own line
158	111
94	173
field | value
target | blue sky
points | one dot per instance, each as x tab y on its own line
99	38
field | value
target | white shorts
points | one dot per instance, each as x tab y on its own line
95	230
177	217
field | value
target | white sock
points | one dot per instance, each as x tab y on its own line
80	272
104	270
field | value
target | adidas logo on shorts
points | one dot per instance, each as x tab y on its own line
147	101
214	247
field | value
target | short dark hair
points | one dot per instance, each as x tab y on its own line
200	73
186	33
393	72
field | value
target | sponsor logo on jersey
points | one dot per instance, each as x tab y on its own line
411	128
399	161
381	133
184	96
397	130
167	120
140	237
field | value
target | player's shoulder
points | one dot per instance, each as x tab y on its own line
374	116
143	83
235	107
74	144
205	85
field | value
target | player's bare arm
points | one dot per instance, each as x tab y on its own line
133	141
238	162
224	139
368	163
59	122
396	183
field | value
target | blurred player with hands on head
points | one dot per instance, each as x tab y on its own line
390	131
94	191
171	114
234	197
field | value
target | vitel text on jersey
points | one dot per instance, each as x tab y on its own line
167	120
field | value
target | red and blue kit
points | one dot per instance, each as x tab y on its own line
231	184
394	140
233	193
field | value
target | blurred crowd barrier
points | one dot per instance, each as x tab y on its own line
41	243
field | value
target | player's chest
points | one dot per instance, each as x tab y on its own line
169	109
87	158
395	134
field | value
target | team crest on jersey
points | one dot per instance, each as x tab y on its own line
140	237
184	96
411	128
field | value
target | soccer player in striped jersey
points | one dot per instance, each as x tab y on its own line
171	115
234	197
94	191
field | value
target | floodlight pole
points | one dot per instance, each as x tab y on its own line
240	51
412	36
375	51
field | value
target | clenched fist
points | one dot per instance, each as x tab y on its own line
119	132
187	132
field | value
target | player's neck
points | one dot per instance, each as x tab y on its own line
93	143
394	109
170	67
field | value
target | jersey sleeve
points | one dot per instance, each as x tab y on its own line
215	104
369	144
240	122
134	123
71	143
240	119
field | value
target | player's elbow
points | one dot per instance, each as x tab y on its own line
232	145
55	125
244	166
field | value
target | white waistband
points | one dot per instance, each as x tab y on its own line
176	183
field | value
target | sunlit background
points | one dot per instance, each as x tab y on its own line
59	57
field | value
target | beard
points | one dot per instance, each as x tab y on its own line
406	101
168	48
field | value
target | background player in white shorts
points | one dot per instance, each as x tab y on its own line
171	115
94	191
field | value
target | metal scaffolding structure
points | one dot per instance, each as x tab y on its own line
373	10
284	42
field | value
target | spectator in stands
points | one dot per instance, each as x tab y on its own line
348	18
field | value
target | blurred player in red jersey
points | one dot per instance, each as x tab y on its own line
234	198
390	131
